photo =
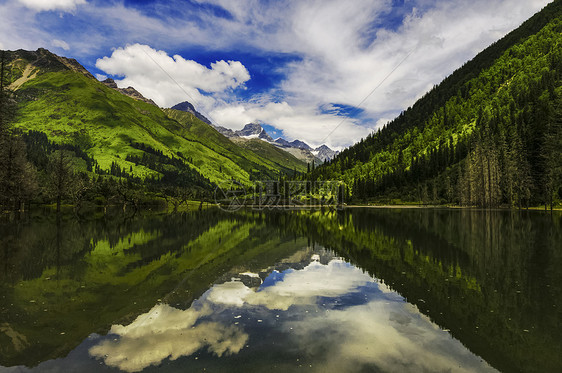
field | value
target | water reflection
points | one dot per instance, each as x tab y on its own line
360	290
294	287
166	332
336	316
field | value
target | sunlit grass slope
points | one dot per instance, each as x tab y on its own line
261	156
72	107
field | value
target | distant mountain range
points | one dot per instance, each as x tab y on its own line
298	148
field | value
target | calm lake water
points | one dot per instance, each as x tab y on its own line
360	290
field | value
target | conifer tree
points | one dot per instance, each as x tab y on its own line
17	177
60	176
552	157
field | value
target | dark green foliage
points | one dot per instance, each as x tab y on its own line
7	98
486	136
60	176
17	177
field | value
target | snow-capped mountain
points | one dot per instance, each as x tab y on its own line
254	130
298	148
325	153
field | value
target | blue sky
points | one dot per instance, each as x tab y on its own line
309	69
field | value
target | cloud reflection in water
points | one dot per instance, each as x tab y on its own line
358	323
166	332
297	287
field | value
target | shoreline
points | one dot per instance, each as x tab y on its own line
535	208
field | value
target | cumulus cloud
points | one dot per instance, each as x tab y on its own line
43	5
169	80
166	332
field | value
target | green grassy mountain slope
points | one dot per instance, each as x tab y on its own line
59	98
266	150
249	156
490	134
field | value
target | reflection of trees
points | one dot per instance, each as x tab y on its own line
79	271
90	274
457	266
31	246
495	270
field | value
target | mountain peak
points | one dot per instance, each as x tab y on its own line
300	144
189	108
129	91
254	130
110	83
46	60
325	153
253	126
133	93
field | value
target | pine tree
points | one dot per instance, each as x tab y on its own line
7	101
60	176
552	157
18	182
17	177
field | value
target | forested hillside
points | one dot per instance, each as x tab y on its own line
489	135
66	137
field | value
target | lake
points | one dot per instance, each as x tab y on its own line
358	290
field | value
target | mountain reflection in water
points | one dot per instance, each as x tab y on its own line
333	317
360	290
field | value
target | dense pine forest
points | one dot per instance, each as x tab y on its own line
489	135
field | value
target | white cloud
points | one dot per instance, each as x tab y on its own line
19	30
340	68
343	60
43	5
296	122
342	52
166	332
60	44
170	80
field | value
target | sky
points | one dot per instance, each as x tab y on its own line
322	71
